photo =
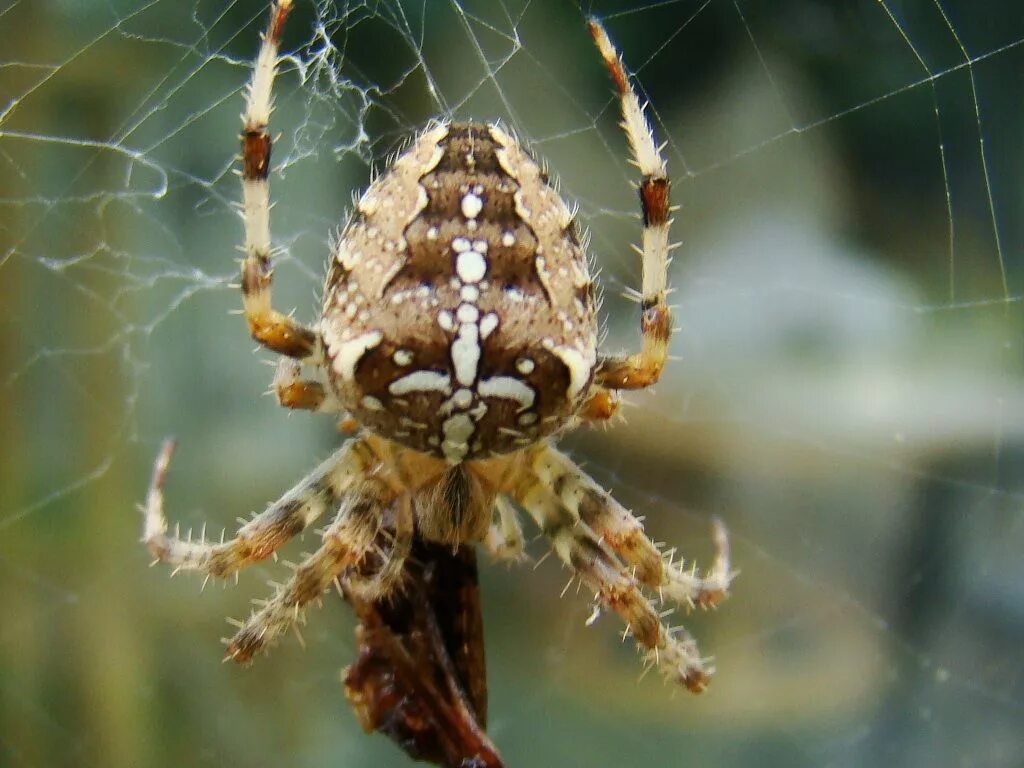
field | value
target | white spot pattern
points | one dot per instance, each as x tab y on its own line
579	366
457	431
508	388
525	366
465	352
488	324
467	313
350	352
371	403
463	398
470	266
471	205
421	381
465	407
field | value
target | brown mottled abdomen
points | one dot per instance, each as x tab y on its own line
459	311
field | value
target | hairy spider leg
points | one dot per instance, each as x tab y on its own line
505	536
644	368
673	651
274	330
346	542
392	554
319	492
624	534
293	391
602	405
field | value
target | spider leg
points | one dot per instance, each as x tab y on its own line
673	651
504	538
293	391
347	541
625	536
263	535
602	405
391	554
274	330
643	368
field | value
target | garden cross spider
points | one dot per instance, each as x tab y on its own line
459	329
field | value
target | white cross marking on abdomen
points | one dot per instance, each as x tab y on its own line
464	407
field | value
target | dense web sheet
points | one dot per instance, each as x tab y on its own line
847	392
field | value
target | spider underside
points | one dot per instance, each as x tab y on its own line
459	330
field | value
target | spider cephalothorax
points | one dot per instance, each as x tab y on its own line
459	329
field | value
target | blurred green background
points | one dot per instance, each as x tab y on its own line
848	394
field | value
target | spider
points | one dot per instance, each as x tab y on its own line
459	330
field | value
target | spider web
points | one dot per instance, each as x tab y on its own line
848	394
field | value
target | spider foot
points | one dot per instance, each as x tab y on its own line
679	662
689	588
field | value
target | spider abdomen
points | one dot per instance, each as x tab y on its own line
459	314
